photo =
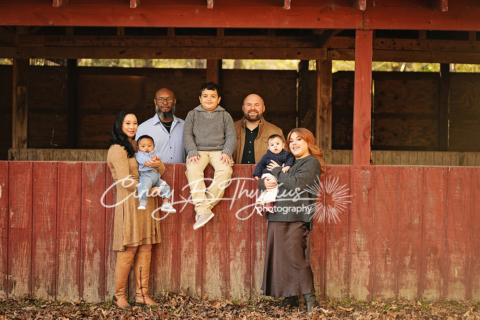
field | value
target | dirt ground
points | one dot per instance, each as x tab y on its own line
182	306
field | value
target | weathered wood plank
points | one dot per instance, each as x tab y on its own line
110	256
238	212
20	187
214	266
45	195
410	233
92	246
458	233
4	210
190	242
337	202
475	233
318	243
258	238
434	234
362	104
68	231
166	271
323	128
361	233
385	246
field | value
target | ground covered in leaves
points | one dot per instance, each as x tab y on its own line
182	306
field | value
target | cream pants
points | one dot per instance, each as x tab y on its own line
203	199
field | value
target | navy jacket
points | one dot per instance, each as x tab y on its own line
283	157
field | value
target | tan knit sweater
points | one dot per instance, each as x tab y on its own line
132	227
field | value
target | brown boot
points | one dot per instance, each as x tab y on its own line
122	269
142	272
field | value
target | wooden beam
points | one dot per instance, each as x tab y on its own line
472	36
362	109
444	105
409	56
20	103
185	16
134	3
360	4
210	4
214	67
323	128
440	5
287	4
325	37
162	53
72	96
422	34
60	3
302	86
8	37
247	42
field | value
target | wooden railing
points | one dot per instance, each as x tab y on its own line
402	232
411	158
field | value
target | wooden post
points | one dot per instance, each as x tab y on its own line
72	78
302	94
362	108
20	103
213	70
443	112
323	129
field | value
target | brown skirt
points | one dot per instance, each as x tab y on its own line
287	260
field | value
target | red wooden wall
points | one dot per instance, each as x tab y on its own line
409	232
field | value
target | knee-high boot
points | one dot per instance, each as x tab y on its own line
122	269
142	273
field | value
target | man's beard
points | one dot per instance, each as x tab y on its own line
258	117
165	116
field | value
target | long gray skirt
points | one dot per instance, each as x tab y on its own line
287	260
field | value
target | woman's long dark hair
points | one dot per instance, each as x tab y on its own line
118	136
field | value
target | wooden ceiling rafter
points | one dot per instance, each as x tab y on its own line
8	37
60	3
134	3
210	4
360	4
440	5
326	36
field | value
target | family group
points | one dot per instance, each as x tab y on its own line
286	170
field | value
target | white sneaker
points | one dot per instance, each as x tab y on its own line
202	220
143	205
167	207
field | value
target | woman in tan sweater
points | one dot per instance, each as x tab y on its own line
135	231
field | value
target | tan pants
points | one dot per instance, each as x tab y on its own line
205	201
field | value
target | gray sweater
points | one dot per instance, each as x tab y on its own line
297	191
209	131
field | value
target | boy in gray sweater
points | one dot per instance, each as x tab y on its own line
209	137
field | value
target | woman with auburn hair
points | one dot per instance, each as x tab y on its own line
287	270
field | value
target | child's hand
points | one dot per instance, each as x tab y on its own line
257	178
155	158
226	160
193	160
285	169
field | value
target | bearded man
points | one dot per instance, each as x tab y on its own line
253	131
165	128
